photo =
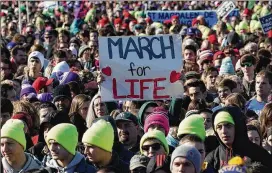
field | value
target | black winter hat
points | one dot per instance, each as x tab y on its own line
233	38
62	91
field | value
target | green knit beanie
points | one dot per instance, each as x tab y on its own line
223	117
257	9
192	125
100	134
155	134
243	25
66	135
14	129
82	49
254	16
258	25
252	25
264	11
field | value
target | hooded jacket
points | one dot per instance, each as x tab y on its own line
31	163
78	164
241	146
53	118
142	110
117	164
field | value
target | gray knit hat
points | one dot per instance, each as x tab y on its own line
138	161
188	152
82	49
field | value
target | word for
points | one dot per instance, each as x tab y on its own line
141	71
141	85
141	45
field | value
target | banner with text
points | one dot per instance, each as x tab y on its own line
186	17
140	68
50	4
225	9
266	22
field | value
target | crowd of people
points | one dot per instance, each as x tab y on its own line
53	118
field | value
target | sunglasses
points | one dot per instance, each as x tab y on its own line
47	37
246	64
155	147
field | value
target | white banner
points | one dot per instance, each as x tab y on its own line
225	8
140	68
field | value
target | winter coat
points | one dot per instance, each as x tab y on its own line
78	164
116	163
80	124
31	163
176	111
29	142
241	146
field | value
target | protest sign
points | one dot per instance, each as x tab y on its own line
234	12
140	68
225	8
266	22
50	4
185	17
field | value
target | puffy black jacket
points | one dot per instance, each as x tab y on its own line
241	146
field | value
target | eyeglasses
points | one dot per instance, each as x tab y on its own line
155	147
246	64
48	37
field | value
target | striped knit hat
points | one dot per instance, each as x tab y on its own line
205	55
159	116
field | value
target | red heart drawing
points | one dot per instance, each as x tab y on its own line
107	71
174	76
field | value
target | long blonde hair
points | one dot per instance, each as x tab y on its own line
91	113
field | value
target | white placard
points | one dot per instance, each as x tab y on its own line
225	8
140	67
